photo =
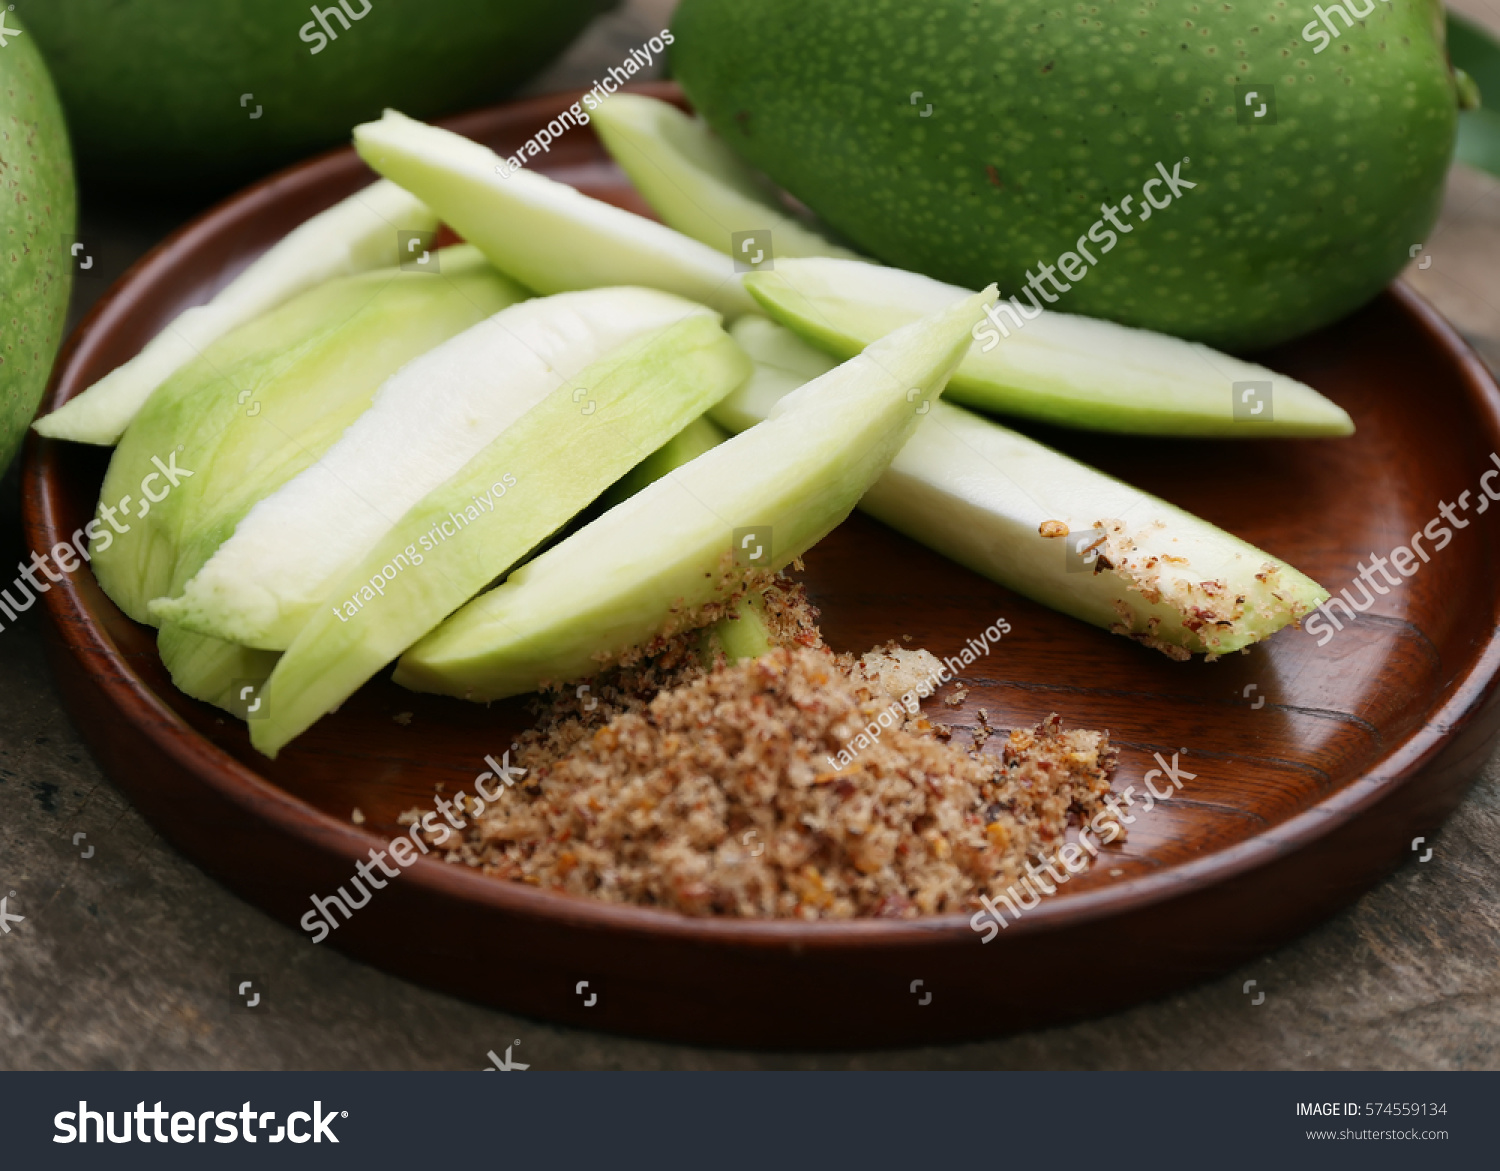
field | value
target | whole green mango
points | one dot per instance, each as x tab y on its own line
1237	172
173	93
38	216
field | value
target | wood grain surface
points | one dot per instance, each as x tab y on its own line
1298	802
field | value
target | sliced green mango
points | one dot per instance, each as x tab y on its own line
783	363
982	495
643	568
262	585
696	183
520	489
353	236
255	459
701	435
549	236
261	404
224	674
742	634
1057	367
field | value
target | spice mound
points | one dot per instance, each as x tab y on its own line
720	795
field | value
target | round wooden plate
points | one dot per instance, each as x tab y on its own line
1314	767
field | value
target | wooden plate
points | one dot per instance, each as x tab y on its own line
1314	767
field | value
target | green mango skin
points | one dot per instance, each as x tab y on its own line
152	87
1040	114
38	217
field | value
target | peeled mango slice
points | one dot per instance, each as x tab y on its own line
701	435
743	632
360	233
428	420
984	495
644	568
549	236
696	183
527	483
1058	367
783	363
261	404
255	458
224	674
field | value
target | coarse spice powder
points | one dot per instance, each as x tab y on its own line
706	790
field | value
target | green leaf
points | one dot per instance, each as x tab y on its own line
1476	53
1472	48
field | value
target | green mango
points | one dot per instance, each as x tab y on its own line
537	473
701	435
974	140
357	234
225	674
1064	369
647	566
312	368
1031	519
38	217
694	182
162	93
429	421
260	405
